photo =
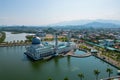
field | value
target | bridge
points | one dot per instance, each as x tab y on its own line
71	53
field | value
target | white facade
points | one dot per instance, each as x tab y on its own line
40	50
106	42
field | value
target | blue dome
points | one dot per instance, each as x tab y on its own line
36	40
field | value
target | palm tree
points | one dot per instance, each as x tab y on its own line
81	76
110	71
49	78
66	78
96	72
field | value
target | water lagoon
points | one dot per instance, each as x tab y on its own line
15	65
19	36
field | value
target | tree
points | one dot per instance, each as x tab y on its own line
17	41
96	72
13	41
66	78
81	76
49	78
109	71
2	36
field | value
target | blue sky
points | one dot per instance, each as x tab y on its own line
43	12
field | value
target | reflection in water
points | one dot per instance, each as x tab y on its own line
68	60
56	61
37	64
25	58
16	65
74	68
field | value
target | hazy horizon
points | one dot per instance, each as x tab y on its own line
44	12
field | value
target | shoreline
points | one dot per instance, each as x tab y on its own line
13	44
101	57
109	61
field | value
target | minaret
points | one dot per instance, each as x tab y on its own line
56	41
69	37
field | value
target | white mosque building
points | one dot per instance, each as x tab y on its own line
41	50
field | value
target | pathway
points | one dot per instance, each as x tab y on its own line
112	78
109	60
71	53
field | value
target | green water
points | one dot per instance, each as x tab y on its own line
14	65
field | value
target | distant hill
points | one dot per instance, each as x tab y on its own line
82	22
74	22
100	24
117	22
90	23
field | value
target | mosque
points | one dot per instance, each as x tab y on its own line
41	50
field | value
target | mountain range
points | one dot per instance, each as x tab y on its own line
99	23
90	23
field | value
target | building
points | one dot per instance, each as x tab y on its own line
40	33
106	42
40	50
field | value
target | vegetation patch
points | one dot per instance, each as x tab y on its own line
2	36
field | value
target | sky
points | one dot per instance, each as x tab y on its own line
44	12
